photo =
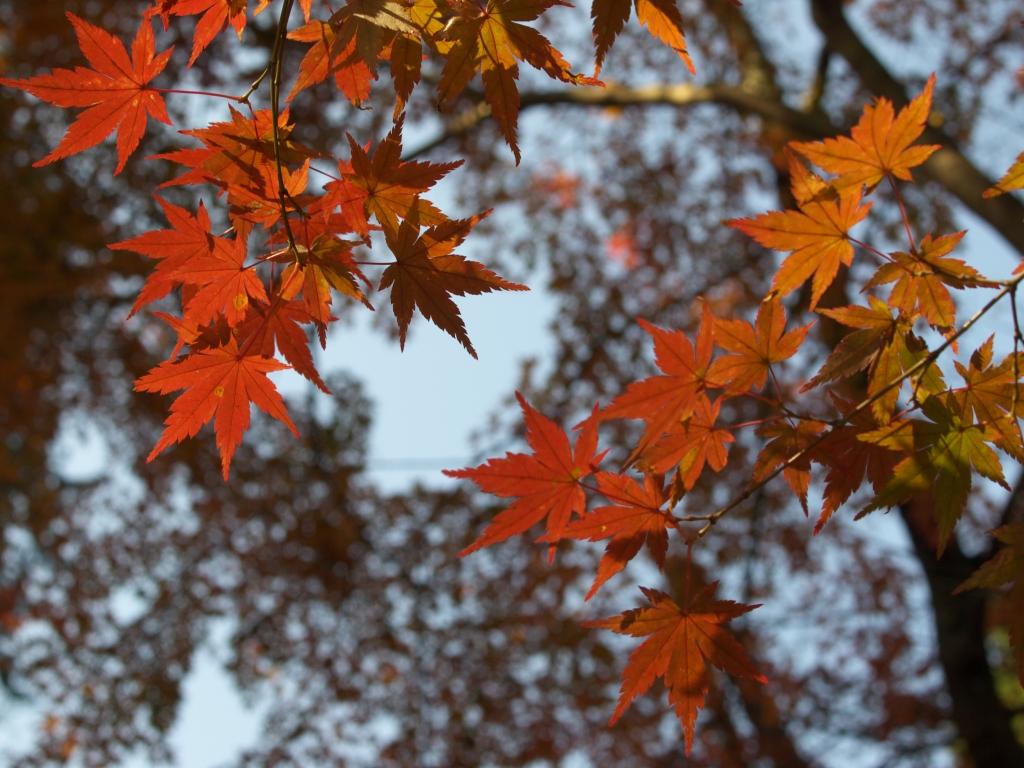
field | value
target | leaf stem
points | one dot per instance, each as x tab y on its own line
212	94
903	212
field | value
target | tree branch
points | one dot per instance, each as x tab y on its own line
811	125
948	166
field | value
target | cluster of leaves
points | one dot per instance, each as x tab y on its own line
256	290
908	434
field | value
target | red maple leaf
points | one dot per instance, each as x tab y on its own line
681	644
238	151
223	282
546	484
219	383
696	442
786	441
217	14
492	40
114	91
636	518
281	326
662	401
189	239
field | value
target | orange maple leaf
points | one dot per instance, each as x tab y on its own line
880	145
219	383
818	235
636	518
1013	180
546	484
921	279
114	91
426	274
754	347
327	263
681	644
662	18
492	41
328	53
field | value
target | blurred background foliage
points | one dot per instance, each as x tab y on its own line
353	623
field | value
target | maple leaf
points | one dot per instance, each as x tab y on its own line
661	17
697	442
217	14
391	188
406	57
889	346
426	274
1005	567
546	484
856	350
329	54
987	395
818	235
662	401
921	278
371	25
189	239
1013	180
878	145
787	440
805	184
754	347
114	91
942	452
261	204
238	151
327	263
849	459
492	40
636	518
681	644
219	383
281	326
224	283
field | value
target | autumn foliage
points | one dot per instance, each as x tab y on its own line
880	413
